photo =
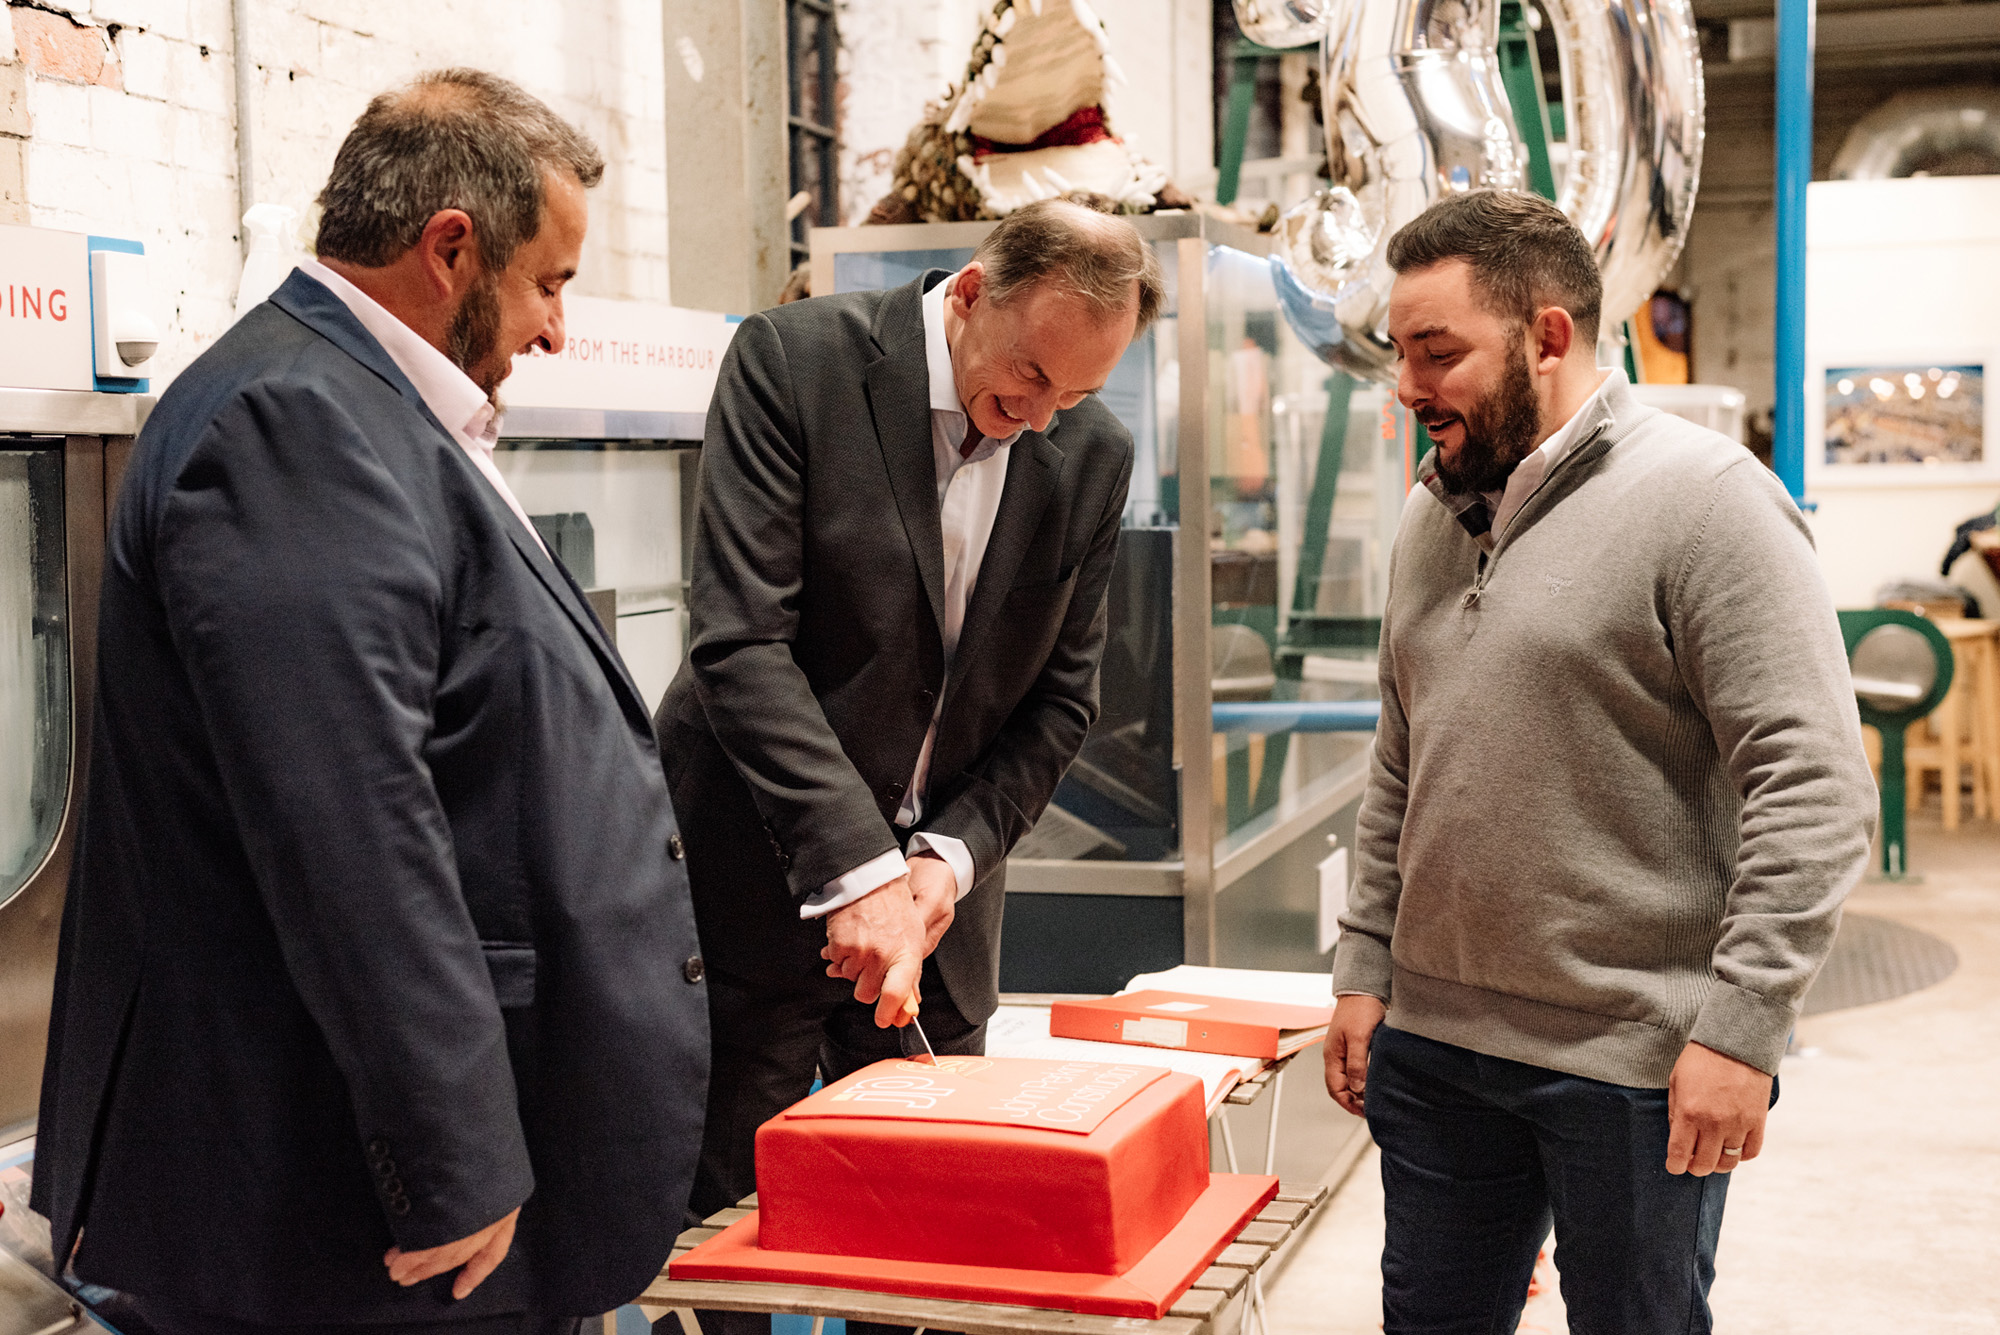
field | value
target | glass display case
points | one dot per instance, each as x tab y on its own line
1251	571
61	457
34	657
619	513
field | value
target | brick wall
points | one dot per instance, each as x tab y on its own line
118	117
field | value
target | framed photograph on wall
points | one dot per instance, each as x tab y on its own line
1885	417
1924	415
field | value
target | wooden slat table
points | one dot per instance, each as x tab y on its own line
1214	1306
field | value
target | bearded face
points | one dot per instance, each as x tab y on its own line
472	341
1501	428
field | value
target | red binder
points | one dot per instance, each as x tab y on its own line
1266	1029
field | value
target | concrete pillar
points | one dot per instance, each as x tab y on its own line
728	162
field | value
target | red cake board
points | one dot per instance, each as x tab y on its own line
1147	1290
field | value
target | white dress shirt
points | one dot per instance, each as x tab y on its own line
459	405
969	488
1530	472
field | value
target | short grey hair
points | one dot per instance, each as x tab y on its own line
1075	244
453	139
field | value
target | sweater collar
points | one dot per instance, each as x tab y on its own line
1612	400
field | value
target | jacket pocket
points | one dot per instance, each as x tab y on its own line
512	968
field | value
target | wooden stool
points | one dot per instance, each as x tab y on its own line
1965	728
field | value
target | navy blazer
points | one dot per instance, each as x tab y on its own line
378	925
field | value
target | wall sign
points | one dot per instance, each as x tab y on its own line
628	369
44	309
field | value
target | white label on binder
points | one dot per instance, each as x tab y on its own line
1159	1033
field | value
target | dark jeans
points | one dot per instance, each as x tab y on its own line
158	1318
766	1049
1480	1155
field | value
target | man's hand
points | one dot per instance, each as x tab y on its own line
1354	1021
1715	1105
480	1254
934	886
877	943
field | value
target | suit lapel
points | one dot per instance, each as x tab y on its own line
899	401
564	590
1033	466
327	315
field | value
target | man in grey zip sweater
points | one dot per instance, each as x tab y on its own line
1617	798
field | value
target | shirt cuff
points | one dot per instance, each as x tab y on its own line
953	850
844	889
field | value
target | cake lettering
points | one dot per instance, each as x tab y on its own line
909	1091
1076	1101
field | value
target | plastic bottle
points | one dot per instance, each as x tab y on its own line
269	261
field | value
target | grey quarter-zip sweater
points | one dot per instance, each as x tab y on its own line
1618	792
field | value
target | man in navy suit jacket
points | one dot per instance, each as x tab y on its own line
379	1000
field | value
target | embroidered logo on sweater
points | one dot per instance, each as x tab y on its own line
1556	585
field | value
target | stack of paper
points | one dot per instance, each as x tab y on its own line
1293	989
1023	1031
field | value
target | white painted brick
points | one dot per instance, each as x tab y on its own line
96	191
148	63
9	53
166	18
210	21
203	83
203	141
14	181
159	164
129	127
61	113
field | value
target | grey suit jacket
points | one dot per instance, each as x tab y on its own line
817	597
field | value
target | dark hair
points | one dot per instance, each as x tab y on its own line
453	139
1525	254
1082	249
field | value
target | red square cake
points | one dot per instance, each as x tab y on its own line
997	1162
1075	1185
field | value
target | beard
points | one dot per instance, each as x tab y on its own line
1500	431
473	336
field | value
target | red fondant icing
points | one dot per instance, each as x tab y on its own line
1146	1290
924	1186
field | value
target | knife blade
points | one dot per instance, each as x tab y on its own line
928	1055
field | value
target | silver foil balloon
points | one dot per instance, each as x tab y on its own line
1415	107
1281	23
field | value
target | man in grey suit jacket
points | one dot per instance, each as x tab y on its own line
376	1003
909	505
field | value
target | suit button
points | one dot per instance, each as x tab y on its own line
392	1187
894	792
694	970
385	1169
929	698
675	848
378	1148
400	1206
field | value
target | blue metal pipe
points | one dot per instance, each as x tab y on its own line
1794	135
1267	716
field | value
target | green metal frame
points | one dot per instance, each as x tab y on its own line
1236	123
1890	723
1521	72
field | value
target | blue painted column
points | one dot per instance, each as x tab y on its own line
1794	134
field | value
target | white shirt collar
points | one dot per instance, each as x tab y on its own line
937	358
1532	471
448	392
